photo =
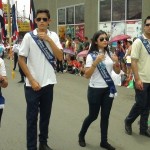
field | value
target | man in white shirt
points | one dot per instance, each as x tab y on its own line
140	61
40	77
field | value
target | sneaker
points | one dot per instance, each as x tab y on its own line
82	141
44	147
107	146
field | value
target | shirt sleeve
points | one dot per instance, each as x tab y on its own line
2	68
56	40
89	61
24	48
136	49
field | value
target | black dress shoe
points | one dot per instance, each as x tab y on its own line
44	147
146	133
128	128
82	141
107	146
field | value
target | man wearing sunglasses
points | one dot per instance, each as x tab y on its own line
39	48
140	61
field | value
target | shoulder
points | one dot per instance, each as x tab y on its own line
27	35
137	43
53	35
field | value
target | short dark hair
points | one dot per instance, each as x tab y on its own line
147	18
43	11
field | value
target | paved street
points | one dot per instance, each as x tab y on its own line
69	109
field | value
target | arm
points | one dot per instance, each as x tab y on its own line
3	81
90	70
58	53
34	84
138	82
3	77
116	65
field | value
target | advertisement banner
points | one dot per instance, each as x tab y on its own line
134	28
24	26
105	27
117	28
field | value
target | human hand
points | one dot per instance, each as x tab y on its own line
35	85
139	84
99	58
1	79
43	36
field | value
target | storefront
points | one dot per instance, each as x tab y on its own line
84	17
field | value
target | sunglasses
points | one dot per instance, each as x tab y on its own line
39	19
102	39
148	24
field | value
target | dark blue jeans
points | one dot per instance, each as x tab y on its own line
140	108
38	102
98	98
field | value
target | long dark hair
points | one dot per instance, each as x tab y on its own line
94	46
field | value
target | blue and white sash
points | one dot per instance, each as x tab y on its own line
145	43
105	75
49	56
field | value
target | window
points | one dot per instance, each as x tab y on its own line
105	10
61	16
134	9
70	15
118	10
79	14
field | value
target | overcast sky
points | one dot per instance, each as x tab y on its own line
21	5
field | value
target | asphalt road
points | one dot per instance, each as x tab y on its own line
69	109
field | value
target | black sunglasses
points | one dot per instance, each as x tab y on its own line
39	19
148	24
102	39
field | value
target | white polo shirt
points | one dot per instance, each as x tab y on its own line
96	79
41	70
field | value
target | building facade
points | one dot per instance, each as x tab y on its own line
84	17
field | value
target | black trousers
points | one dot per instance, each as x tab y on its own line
15	60
98	98
38	102
140	108
1	112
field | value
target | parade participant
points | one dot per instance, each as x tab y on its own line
3	84
101	89
36	58
140	60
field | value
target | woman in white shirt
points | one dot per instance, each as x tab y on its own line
3	84
99	91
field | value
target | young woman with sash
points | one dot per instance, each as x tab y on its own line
101	90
